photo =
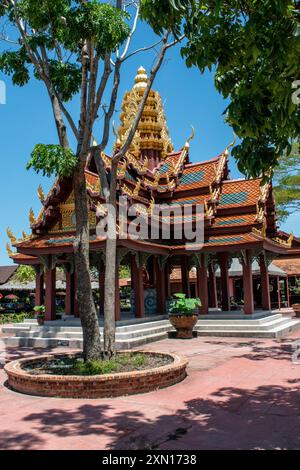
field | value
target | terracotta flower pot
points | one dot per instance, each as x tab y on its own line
296	308
184	325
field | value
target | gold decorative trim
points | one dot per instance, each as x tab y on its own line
41	194
11	236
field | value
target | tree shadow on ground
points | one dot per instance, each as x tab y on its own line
266	417
279	349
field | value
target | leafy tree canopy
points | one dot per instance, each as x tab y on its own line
52	159
24	274
253	47
287	184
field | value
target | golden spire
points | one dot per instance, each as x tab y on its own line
41	194
11	236
9	250
24	234
32	218
152	132
141	79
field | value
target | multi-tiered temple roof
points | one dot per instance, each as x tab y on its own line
238	214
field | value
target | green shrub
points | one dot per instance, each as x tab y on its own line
184	306
15	317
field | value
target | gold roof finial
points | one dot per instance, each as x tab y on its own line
137	188
151	207
187	144
231	145
11	236
41	193
24	234
157	178
141	79
9	250
145	165
291	238
32	218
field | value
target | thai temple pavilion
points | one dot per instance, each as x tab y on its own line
239	222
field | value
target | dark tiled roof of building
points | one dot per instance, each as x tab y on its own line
6	272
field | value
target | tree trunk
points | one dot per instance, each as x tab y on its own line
87	311
110	274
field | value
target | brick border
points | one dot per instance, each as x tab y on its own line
97	386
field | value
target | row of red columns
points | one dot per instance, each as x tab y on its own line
206	286
71	305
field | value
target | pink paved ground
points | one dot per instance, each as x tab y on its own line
239	394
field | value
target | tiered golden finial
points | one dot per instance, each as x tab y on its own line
11	236
32	218
41	194
152	132
141	79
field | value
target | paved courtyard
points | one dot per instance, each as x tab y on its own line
239	394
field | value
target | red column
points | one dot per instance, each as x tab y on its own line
223	259
278	292
265	285
70	293
76	305
167	279
117	299
50	279
288	292
213	296
248	283
160	289
138	285
39	287
202	286
101	287
185	280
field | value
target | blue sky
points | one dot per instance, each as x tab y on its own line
25	120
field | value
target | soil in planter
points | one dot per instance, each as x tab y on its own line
123	362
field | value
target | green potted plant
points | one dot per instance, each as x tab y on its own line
183	315
40	314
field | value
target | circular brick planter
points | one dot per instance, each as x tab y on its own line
96	386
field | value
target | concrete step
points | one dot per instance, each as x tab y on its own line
203	320
132	330
17	341
275	332
121	335
266	326
29	334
